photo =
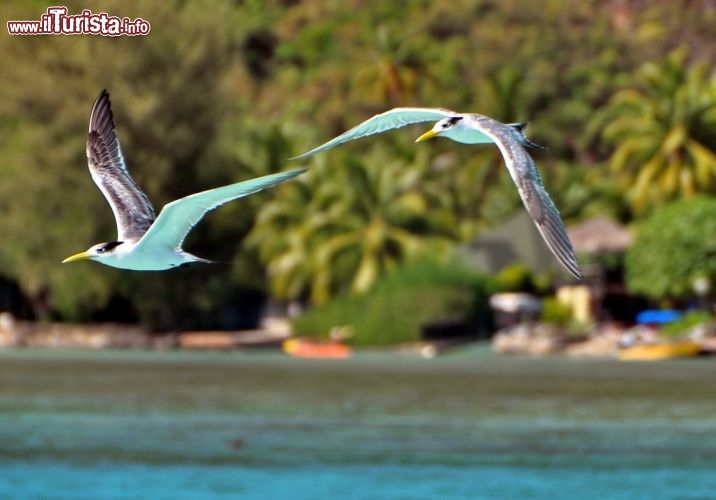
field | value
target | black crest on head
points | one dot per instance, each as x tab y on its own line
110	246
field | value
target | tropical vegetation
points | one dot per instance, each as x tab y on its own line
664	132
417	296
674	247
622	94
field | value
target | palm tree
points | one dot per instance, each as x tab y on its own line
345	223
397	72
664	129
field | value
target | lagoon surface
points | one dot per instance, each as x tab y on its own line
180	425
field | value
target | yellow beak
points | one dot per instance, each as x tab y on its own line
427	135
77	256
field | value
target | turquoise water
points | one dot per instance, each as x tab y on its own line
261	425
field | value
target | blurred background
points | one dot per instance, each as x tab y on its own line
382	243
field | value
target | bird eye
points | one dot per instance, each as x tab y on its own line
100	250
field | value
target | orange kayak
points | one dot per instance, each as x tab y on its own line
310	348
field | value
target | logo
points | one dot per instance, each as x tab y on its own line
56	21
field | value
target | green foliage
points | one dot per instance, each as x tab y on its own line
518	278
223	91
414	295
685	323
340	227
664	128
673	247
170	104
553	311
515	278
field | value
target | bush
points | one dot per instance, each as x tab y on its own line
685	323
515	278
673	247
553	311
400	305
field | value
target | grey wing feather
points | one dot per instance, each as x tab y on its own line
133	212
549	223
178	217
535	198
395	118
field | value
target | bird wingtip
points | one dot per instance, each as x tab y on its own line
103	95
303	156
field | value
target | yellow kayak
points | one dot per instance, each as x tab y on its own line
648	352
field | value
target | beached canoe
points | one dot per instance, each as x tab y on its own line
648	352
311	348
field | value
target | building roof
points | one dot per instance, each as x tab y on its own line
514	240
599	235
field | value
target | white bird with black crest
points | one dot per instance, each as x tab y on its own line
473	128
146	242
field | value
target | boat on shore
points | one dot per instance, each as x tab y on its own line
312	348
662	350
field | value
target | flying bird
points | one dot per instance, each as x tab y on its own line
473	128
146	242
400	117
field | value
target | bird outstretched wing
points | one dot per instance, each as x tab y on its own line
395	118
133	212
178	217
535	198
